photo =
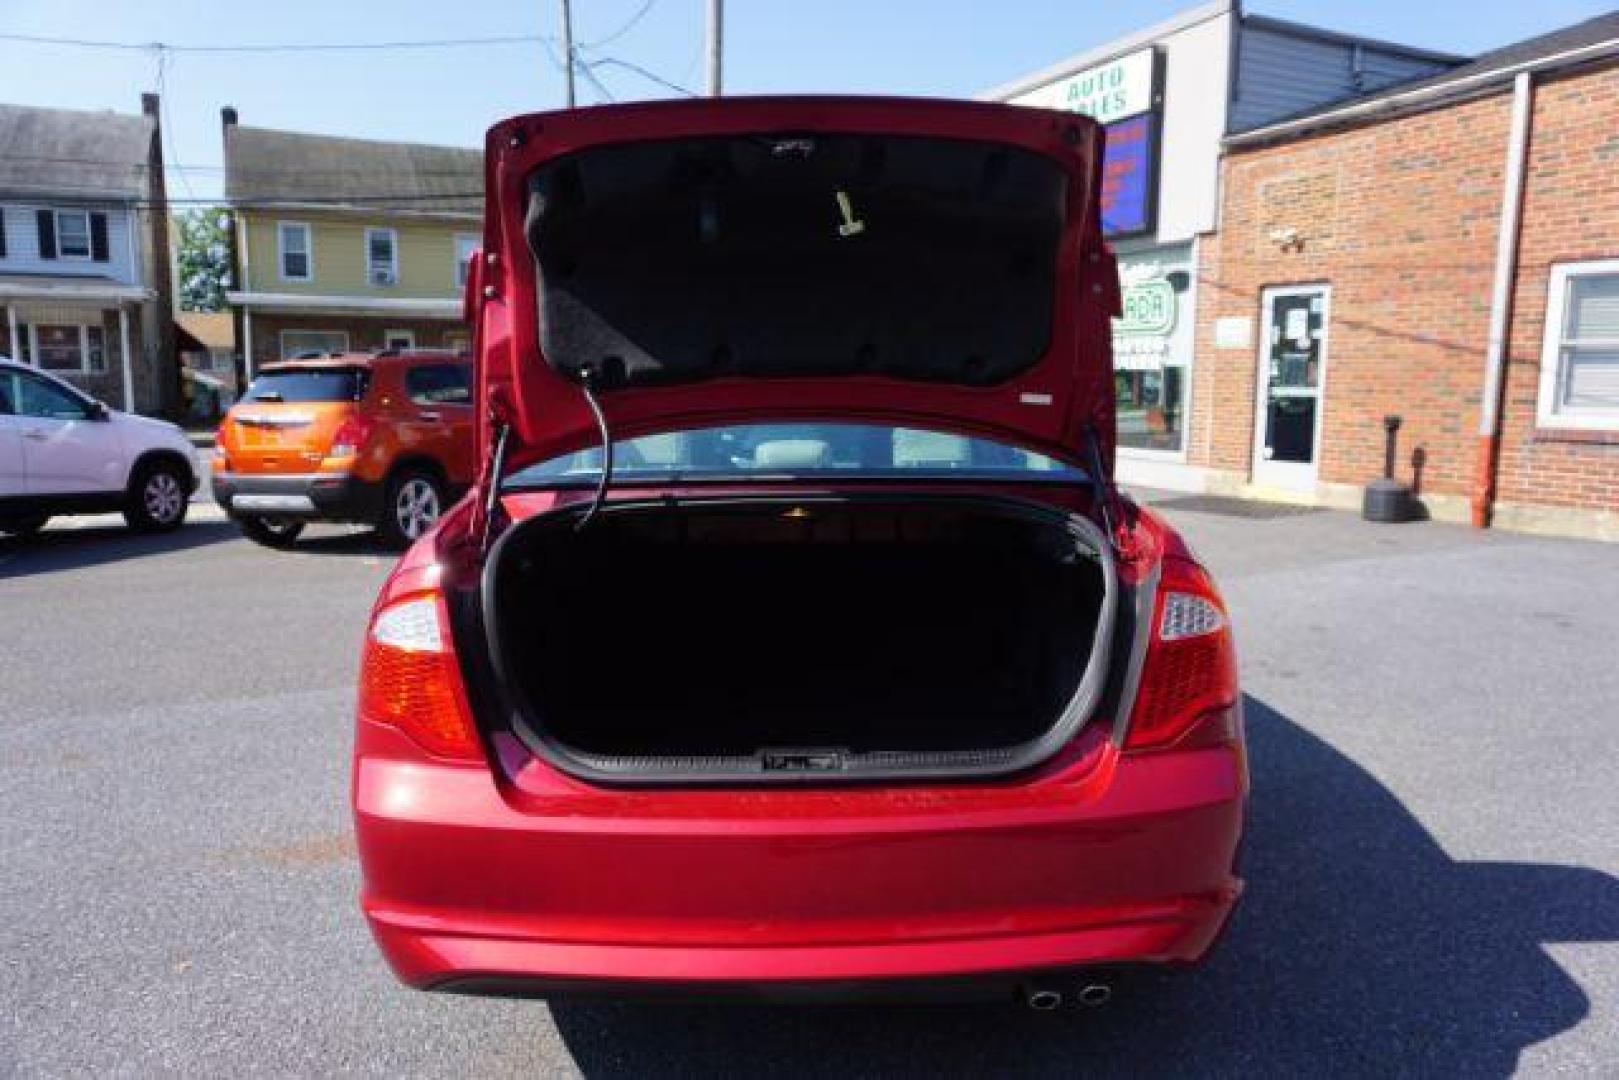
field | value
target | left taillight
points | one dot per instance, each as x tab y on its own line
221	455
1188	687
410	680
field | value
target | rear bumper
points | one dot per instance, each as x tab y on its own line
328	496
525	888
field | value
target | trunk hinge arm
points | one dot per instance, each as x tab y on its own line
1114	510
500	426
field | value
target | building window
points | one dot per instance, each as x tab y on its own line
466	245
398	340
382	256
95	348
1152	351
73	234
295	246
78	349
1579	362
307	343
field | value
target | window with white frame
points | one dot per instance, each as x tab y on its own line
302	343
67	347
73	234
293	241
466	244
1579	363
382	256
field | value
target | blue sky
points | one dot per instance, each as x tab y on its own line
942	47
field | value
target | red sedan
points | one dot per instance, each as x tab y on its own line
794	640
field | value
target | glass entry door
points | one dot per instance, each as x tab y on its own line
1292	364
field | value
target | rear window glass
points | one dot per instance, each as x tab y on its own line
439	384
309	384
776	450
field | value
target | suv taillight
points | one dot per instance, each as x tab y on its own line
351	436
1189	683
409	678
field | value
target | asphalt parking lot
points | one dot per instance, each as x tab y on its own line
1433	712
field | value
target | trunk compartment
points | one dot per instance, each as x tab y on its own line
801	639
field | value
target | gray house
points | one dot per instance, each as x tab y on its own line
84	257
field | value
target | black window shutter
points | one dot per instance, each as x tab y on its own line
98	237
2	232
47	234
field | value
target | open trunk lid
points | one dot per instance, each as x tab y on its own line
928	263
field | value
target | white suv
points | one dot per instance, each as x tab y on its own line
62	452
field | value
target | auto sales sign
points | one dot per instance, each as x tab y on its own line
1123	95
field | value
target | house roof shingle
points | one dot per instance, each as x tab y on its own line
1464	78
69	152
267	167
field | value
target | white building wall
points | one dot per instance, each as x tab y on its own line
1197	68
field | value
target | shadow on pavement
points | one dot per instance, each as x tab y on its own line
56	550
1360	947
346	541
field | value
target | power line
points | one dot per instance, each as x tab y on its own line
278	47
167	122
629	25
590	77
12	159
613	61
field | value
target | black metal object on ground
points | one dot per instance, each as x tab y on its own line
1386	499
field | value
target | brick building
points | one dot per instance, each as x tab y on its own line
1167	94
1367	255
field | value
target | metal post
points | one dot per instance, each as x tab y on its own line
716	33
123	355
247	348
16	339
567	51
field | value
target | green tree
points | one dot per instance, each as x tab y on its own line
203	258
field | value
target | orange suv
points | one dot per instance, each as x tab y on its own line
379	439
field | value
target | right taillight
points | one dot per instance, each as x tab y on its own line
1190	676
409	678
351	436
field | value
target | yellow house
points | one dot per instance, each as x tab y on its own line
348	243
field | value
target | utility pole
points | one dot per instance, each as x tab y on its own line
716	19
567	50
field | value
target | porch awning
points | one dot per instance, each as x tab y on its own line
292	303
98	292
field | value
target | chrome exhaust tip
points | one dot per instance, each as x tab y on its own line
1095	995
1043	1000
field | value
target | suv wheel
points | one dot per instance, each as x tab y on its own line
23	526
415	501
276	532
158	497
